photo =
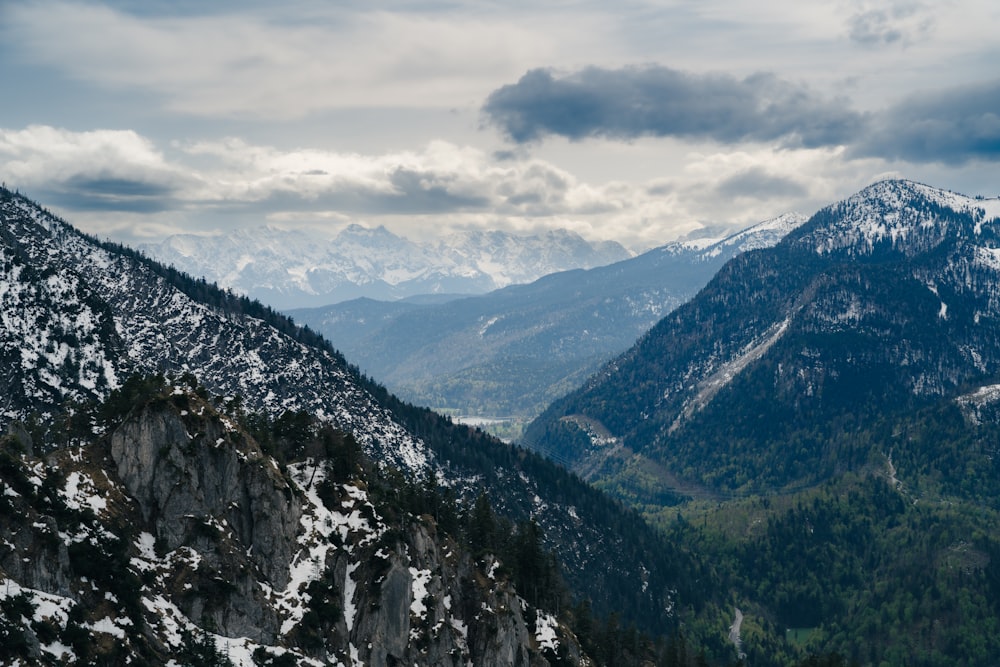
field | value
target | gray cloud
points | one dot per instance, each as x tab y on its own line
758	183
424	191
414	192
952	126
110	193
901	22
657	101
873	27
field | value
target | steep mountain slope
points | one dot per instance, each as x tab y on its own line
78	317
511	352
821	424
805	360
288	269
176	538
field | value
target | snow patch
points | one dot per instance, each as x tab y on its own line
545	631
419	587
81	492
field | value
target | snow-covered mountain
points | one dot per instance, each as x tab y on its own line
293	268
808	359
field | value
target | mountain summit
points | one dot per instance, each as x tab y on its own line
807	359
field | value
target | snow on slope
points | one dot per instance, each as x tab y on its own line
156	327
762	235
902	214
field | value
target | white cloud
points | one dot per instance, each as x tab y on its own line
40	154
99	170
140	190
467	180
123	184
251	64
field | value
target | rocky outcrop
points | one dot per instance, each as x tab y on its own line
436	606
177	528
186	470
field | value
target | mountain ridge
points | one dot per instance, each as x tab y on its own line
142	317
293	268
512	351
829	316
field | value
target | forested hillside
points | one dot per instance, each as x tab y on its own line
819	424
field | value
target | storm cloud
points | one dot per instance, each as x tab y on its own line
946	126
658	101
110	193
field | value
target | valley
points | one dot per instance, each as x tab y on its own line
484	334
792	461
509	353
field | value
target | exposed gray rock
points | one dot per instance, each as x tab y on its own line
201	530
182	479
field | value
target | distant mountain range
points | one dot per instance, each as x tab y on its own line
294	268
512	351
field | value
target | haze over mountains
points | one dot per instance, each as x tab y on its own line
512	351
294	268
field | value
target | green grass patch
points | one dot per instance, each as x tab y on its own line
799	636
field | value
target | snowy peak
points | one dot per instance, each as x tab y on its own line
897	217
764	234
295	268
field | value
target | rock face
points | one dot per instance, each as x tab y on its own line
176	531
179	478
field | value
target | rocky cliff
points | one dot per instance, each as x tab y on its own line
175	537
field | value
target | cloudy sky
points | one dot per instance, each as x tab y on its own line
635	121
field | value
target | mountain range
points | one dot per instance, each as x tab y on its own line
81	319
289	268
512	351
809	445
